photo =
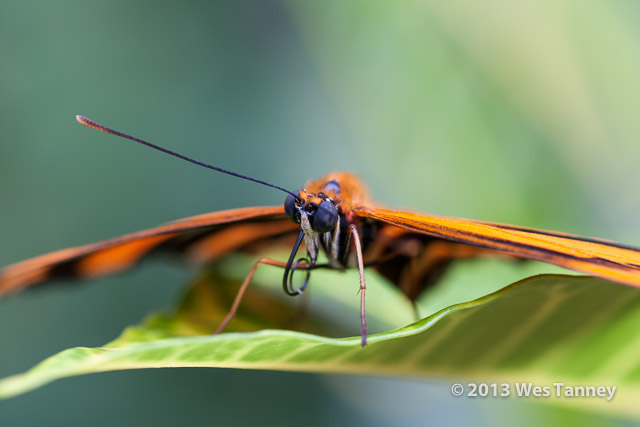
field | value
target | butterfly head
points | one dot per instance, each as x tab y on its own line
317	211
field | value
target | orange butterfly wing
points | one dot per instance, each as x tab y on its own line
599	258
200	238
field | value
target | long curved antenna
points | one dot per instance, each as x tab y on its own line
94	125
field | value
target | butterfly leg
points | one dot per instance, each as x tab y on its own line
243	288
363	286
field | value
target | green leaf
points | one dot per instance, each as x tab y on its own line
580	331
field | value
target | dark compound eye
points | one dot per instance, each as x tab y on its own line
291	210
325	217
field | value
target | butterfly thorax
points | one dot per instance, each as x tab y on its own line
344	188
324	211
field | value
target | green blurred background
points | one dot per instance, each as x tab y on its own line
501	111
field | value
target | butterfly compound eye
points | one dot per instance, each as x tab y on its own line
325	217
291	210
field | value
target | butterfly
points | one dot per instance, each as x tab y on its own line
335	216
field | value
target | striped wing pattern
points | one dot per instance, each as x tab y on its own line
599	258
201	238
416	261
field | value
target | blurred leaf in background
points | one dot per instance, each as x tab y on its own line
501	111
